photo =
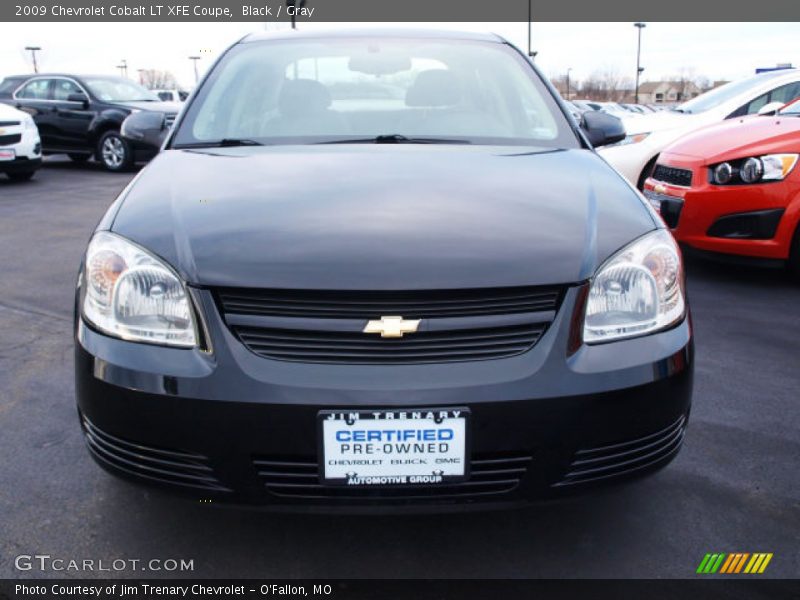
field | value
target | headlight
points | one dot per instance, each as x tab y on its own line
722	174
777	166
637	291
131	294
752	170
755	169
632	139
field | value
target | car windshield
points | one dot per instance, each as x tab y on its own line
723	93
791	110
118	89
365	90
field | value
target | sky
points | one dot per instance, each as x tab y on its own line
713	50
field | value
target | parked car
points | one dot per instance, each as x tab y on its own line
648	135
574	110
171	95
20	147
80	115
733	188
617	110
442	297
586	105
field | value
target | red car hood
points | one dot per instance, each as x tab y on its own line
740	137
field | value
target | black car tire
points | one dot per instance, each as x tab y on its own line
20	175
114	152
79	158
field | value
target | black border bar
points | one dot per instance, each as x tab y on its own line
751	588
398	11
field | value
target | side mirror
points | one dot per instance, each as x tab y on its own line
771	108
146	126
137	124
601	128
79	97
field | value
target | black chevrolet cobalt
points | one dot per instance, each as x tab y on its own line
381	270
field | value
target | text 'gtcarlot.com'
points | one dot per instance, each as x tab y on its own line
46	562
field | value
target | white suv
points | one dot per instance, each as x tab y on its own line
20	146
648	135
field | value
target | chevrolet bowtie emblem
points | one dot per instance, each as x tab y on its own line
392	327
659	189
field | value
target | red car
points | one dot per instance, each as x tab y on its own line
734	188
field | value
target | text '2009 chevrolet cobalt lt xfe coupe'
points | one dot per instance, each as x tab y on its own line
381	270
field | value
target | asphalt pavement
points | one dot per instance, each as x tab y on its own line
734	487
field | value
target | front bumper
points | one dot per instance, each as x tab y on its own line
756	221
233	426
28	151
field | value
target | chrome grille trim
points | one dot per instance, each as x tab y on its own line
490	475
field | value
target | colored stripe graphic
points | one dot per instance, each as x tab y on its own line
703	563
741	562
729	564
734	563
758	563
711	562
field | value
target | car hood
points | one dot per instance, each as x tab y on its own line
662	121
165	107
381	216
737	138
9	112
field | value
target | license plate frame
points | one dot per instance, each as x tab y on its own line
395	475
7	154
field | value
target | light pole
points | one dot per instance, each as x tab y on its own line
194	60
568	70
531	52
124	65
141	76
296	5
639	68
121	70
33	50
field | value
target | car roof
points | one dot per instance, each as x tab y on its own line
374	32
71	75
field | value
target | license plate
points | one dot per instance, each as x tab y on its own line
7	154
394	447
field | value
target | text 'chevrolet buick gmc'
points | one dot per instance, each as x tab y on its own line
381	270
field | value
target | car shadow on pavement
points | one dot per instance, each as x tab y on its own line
63	163
531	541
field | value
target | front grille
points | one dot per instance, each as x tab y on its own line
420	347
673	175
7	140
169	120
491	475
373	305
604	462
175	467
327	326
9	123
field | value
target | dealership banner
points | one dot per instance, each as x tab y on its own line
388	11
419	589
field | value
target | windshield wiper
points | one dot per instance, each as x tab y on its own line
223	143
396	138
